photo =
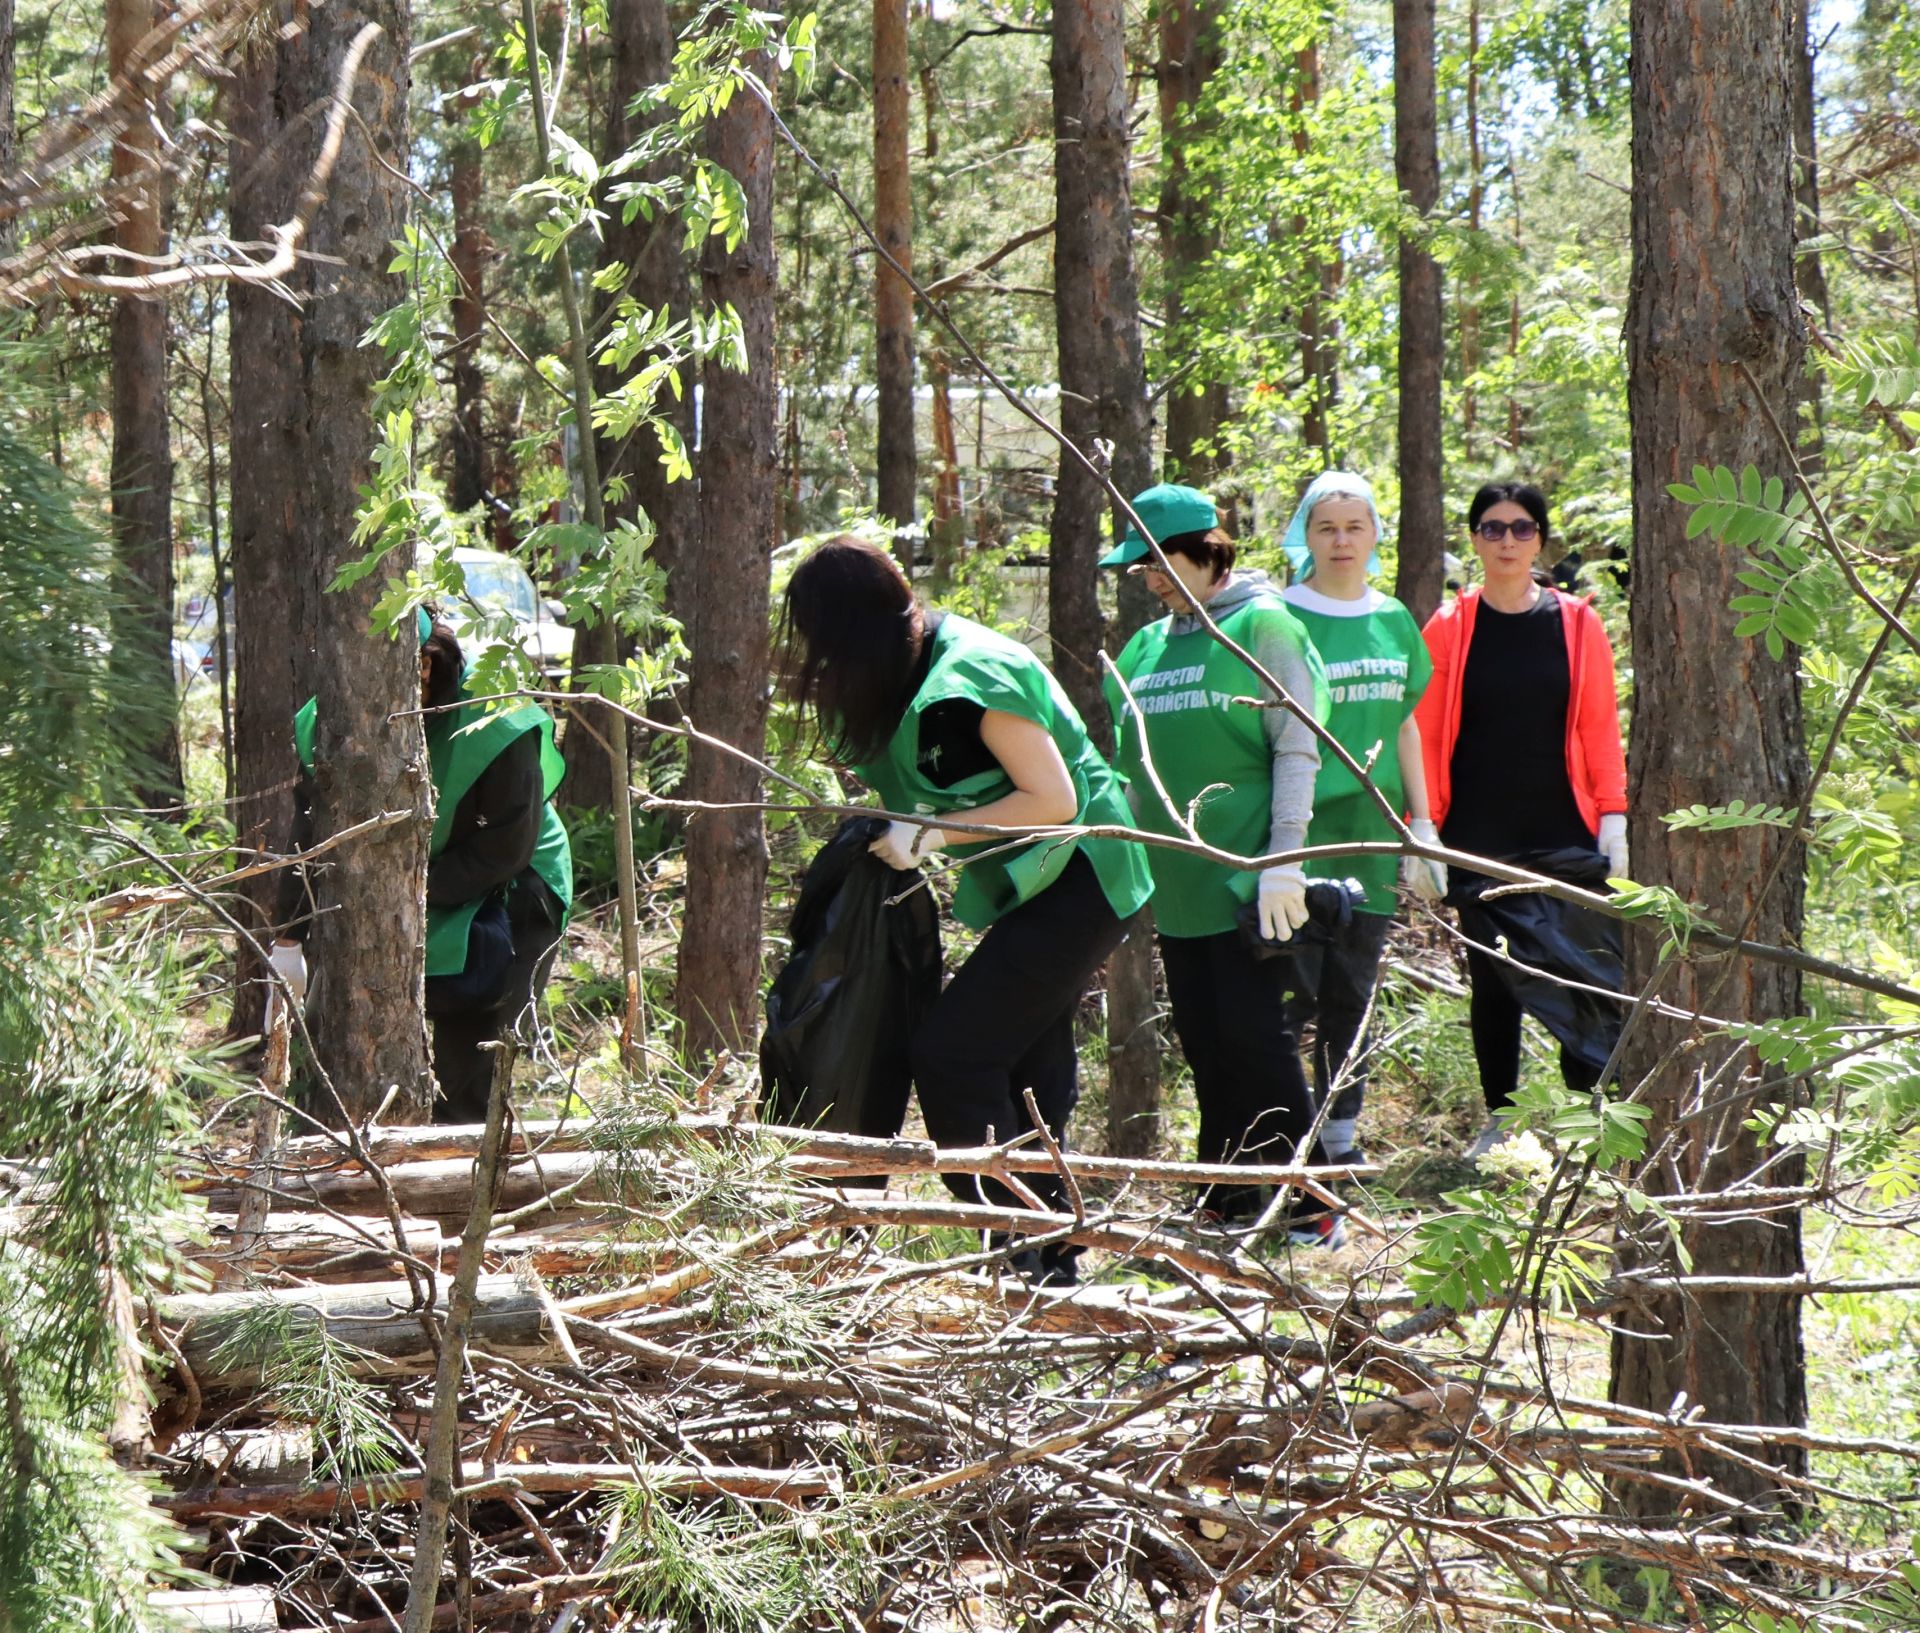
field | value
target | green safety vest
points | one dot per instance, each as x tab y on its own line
1204	746
461	744
973	663
1377	668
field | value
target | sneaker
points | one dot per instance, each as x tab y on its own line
1346	1159
1494	1134
1329	1231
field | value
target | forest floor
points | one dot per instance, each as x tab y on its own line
1423	1109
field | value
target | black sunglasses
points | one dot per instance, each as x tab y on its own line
1494	532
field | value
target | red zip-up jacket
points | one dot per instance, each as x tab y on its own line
1596	765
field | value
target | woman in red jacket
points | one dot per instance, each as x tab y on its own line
1521	731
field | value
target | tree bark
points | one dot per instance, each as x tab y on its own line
272	641
643	43
1190	55
7	117
1810	273
366	948
1469	301
719	982
142	458
468	482
1319	353
1416	163
1096	306
1103	396
892	298
1712	290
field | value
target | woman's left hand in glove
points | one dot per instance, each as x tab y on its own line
905	845
1613	844
1427	880
1283	902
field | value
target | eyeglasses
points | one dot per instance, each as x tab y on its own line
1494	532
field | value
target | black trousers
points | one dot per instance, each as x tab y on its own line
1493	1017
1348	973
1004	1023
1229	1013
462	1064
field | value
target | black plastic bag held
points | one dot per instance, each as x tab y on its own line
1556	939
863	972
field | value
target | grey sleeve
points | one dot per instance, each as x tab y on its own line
1296	751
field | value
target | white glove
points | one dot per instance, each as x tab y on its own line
1427	880
1613	844
288	960
1283	902
905	845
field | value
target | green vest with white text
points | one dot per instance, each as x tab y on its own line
461	744
978	665
1206	748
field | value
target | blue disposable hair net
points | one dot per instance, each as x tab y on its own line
1328	485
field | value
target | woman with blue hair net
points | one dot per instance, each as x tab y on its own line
1377	668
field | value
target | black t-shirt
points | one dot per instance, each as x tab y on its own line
950	749
1511	793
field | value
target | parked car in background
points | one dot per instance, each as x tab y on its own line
196	654
497	580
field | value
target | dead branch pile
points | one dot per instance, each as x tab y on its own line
714	1376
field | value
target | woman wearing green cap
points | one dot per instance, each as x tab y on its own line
1251	770
1377	668
949	722
499	870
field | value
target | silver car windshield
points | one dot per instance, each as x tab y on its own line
501	584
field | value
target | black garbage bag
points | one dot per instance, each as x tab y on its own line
1555	939
1331	904
863	972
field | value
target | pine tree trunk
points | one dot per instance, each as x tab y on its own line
719	983
892	298
1810	273
642	38
1103	396
1189	57
468	482
1416	162
7	118
1470	314
272	647
366	947
1714	717
1319	353
142	459
1096	306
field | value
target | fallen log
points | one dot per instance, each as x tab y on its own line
440	1188
309	1501
376	1323
316	1246
217	1610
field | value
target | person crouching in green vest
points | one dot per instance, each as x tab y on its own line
499	871
1251	771
949	721
1377	668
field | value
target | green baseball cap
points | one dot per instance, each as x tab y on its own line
1169	510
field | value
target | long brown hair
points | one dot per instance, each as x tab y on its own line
851	633
446	664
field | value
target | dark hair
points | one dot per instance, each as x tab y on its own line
1524	494
1214	549
850	639
445	665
